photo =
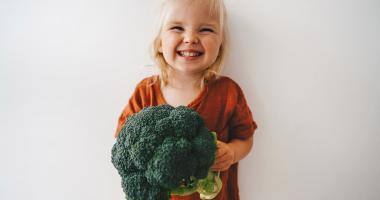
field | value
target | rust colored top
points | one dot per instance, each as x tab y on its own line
224	109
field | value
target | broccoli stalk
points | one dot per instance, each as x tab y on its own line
209	187
163	150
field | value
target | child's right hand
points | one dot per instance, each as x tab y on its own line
225	157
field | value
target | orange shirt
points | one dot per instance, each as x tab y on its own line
224	109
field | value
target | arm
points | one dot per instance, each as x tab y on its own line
230	153
241	148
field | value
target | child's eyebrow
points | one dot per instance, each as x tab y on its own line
171	23
214	25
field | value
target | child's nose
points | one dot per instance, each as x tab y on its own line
191	37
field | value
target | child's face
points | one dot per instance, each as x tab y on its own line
190	38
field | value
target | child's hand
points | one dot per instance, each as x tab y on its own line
225	157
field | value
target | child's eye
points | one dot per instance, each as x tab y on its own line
207	30
177	28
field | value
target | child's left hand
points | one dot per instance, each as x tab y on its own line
225	157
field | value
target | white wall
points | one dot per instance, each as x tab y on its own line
308	69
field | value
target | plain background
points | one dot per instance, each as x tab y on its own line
309	70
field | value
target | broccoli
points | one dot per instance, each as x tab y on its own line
163	150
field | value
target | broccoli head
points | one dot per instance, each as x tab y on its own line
163	150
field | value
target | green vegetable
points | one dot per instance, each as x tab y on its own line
163	150
210	186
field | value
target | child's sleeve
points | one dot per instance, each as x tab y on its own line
242	125
134	105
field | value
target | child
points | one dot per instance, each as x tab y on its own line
189	50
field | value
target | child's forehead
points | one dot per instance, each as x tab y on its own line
196	11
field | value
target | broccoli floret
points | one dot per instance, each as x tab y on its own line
186	122
172	163
162	150
204	147
137	187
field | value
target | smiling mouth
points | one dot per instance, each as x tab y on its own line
189	53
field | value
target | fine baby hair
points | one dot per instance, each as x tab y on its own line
216	8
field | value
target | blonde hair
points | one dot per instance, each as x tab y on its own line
216	7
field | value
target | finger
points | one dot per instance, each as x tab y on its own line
221	148
219	144
218	162
219	168
216	167
221	157
222	161
220	154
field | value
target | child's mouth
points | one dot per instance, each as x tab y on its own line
189	54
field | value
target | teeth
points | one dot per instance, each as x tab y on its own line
189	54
